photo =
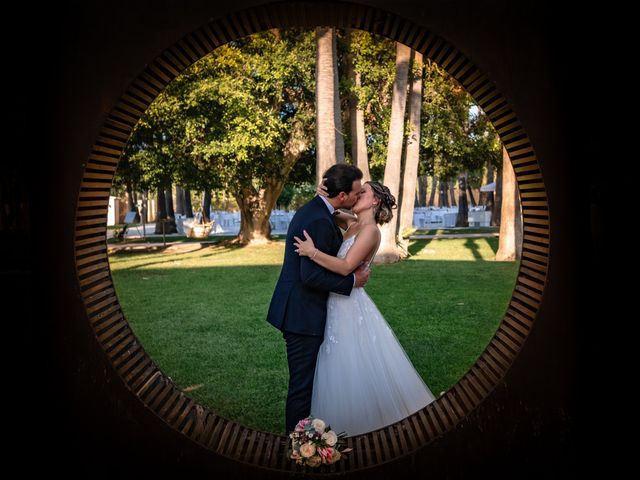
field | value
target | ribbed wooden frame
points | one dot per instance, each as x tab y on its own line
197	422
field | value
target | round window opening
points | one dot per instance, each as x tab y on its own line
183	407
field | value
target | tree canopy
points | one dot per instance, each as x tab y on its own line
225	121
456	135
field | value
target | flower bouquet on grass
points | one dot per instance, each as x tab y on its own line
313	443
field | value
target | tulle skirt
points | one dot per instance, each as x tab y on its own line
364	380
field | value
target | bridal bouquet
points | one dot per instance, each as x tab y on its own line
314	443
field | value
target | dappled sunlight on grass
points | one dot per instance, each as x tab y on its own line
212	256
458	249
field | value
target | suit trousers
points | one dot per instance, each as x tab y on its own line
302	354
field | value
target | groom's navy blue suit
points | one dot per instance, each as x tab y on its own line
299	303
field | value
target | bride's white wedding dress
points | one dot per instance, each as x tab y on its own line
364	379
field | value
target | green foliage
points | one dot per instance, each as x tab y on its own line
294	196
456	135
224	122
285	196
301	195
374	57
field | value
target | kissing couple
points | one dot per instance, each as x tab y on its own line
346	365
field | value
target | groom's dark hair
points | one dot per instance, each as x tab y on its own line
340	178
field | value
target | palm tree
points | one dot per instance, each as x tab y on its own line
410	175
356	118
328	125
389	252
510	246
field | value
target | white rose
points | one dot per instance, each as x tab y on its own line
318	424
307	449
330	438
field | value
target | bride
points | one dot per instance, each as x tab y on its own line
363	380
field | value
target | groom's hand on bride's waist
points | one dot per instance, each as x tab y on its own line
362	276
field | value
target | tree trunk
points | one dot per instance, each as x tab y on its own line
489	199
164	223
434	189
497	209
443	197
171	214
452	193
179	200
356	121
168	196
131	201
161	208
472	199
337	110
256	205
188	208
462	219
410	174
421	194
389	252
484	196
326	128
206	205
510	247
145	206
254	215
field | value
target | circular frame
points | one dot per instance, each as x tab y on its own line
230	439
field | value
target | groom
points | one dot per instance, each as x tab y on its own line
299	303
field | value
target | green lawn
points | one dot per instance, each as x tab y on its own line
176	238
201	317
446	231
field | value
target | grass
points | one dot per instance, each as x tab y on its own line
180	238
201	317
458	231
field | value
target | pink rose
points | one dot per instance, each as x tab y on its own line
335	457
326	453
302	424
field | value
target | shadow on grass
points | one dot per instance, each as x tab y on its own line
173	253
472	245
493	243
416	246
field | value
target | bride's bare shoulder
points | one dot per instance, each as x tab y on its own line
371	231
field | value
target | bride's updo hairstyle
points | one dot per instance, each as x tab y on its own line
386	202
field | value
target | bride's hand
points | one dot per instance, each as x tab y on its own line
306	247
322	190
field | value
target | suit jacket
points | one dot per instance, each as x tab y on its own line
299	302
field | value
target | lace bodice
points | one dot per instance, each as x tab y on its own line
347	244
